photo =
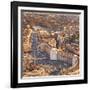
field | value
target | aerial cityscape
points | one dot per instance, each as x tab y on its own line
50	43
